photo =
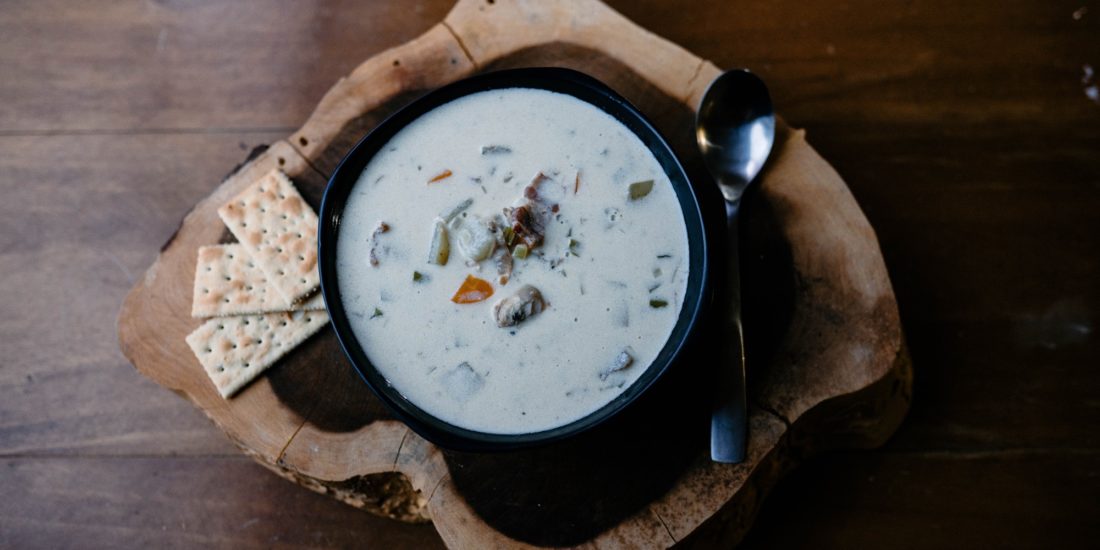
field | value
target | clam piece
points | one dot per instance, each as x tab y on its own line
622	361
517	308
475	240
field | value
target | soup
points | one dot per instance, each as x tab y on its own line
512	260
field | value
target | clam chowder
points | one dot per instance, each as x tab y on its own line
512	260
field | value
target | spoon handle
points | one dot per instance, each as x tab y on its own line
729	417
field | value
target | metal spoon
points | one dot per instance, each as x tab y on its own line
735	129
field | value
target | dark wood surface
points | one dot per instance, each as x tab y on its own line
963	129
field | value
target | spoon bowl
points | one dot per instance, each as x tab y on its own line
735	130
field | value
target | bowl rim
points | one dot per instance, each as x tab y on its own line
582	87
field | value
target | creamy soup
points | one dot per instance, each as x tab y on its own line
512	260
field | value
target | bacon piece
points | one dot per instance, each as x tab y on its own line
382	228
504	265
527	226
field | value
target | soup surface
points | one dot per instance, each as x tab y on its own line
512	260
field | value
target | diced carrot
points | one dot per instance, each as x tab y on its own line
441	176
472	290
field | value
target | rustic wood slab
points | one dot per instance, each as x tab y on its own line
829	368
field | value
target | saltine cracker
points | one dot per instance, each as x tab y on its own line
235	350
279	230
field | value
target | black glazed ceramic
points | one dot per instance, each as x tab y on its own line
564	81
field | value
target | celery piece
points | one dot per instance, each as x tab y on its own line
574	247
640	189
458	209
440	249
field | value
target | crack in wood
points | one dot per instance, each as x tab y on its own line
461	44
665	525
282	452
400	446
305	419
437	484
770	410
302	154
686	99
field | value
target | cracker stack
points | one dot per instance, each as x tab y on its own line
260	294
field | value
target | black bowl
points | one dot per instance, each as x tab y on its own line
563	81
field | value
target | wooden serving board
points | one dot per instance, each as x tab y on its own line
828	367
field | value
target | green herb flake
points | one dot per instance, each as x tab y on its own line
458	209
378	313
574	247
656	304
520	252
417	276
495	149
509	236
640	189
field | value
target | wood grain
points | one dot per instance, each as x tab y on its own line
83	216
185	66
100	502
951	499
961	128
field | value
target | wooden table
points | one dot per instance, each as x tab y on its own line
964	130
